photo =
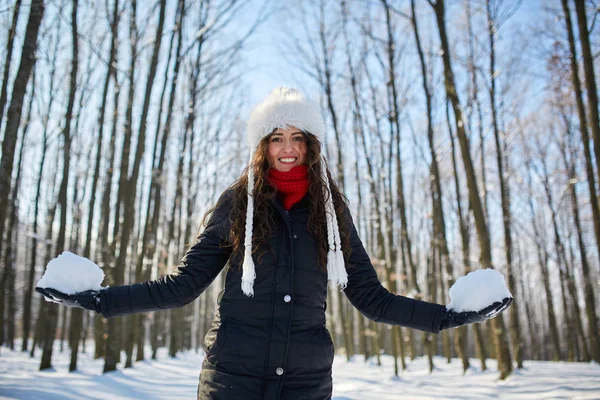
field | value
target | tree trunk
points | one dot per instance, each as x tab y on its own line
466	251
593	109
129	191
76	313
439	231
592	93
12	242
154	199
500	334
46	361
13	115
105	247
116	275
543	263
9	49
28	297
515	326
570	168
34	242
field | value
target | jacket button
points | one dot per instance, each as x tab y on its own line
279	371
295	236
287	298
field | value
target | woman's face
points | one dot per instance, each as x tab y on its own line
286	149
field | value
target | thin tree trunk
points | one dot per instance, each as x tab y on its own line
593	103
42	317
533	333
76	313
466	249
570	168
327	86
428	338
515	326
394	115
439	231
28	297
543	263
129	192
500	334
153	206
592	95
12	242
46	361
117	274
9	49
13	116
27	311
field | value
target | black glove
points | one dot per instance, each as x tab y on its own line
89	299
452	319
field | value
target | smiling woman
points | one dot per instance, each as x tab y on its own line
268	339
287	149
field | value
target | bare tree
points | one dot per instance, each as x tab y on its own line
13	116
157	176
11	249
500	334
46	361
515	326
9	49
590	84
129	191
588	289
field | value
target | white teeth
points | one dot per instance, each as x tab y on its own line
291	159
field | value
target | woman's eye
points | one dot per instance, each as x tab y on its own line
299	139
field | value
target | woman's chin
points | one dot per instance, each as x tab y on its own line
284	167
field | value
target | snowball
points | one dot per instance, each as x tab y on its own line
70	273
477	290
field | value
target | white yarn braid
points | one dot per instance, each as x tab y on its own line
336	267
248	270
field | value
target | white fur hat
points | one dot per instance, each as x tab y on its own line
282	108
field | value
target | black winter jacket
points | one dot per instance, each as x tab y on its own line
273	345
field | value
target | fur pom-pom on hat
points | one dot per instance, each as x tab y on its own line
282	108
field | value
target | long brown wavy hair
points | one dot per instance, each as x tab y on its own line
264	193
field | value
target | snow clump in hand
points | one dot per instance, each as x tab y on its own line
477	290
70	273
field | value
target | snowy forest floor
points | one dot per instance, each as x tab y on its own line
168	378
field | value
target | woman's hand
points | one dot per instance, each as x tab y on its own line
453	319
89	299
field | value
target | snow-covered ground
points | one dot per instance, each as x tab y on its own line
177	379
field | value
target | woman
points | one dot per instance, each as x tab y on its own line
284	230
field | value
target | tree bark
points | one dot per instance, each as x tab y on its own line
590	84
14	112
129	191
28	298
515	326
543	263
46	361
570	168
593	103
76	313
9	49
12	242
500	334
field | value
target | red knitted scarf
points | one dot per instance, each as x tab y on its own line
291	185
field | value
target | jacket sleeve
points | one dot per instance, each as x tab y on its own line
196	271
365	292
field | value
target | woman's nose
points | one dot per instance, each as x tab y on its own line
287	145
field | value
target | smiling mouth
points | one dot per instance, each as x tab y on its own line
288	160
